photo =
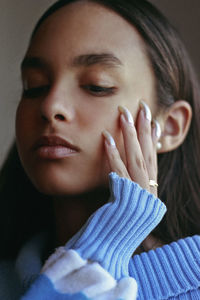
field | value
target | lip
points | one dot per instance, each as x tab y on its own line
54	147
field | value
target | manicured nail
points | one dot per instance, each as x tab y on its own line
157	129
127	115
109	139
146	109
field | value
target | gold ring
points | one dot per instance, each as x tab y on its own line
153	183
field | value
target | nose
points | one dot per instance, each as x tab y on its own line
57	107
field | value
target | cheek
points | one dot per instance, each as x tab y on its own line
25	128
111	123
20	122
87	171
21	114
107	118
25	119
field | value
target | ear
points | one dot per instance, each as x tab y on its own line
175	123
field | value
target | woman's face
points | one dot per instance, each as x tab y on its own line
84	61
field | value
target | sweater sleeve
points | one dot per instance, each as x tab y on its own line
94	263
170	272
113	232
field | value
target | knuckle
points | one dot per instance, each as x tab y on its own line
150	160
141	163
119	172
131	132
145	131
114	156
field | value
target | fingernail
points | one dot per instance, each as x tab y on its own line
146	109
127	115
157	129
109	139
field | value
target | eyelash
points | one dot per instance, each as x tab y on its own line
99	91
96	90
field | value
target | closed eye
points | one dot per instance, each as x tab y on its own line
35	92
99	91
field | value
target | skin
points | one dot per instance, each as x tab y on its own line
71	108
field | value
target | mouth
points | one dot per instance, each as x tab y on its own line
54	147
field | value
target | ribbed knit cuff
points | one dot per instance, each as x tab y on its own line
169	271
113	232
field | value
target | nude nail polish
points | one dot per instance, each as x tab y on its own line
157	129
109	139
147	110
127	115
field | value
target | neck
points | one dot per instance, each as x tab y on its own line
72	212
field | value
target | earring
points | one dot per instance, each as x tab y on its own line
159	145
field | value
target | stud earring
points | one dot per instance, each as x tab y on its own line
159	145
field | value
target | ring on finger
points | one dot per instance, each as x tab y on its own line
153	183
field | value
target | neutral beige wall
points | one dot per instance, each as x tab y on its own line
185	15
17	18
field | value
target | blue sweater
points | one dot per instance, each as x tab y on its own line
97	263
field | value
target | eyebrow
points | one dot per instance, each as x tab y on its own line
106	59
30	62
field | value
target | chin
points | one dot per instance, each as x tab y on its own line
58	179
54	184
57	188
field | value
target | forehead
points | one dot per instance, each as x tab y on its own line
83	26
85	30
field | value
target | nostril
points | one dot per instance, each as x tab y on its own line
59	117
49	118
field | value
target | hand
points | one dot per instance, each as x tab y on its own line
141	155
140	148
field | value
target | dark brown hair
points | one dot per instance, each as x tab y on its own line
179	170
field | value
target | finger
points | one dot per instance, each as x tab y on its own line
135	162
147	142
144	131
114	159
148	137
156	134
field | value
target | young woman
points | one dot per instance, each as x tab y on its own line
107	85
